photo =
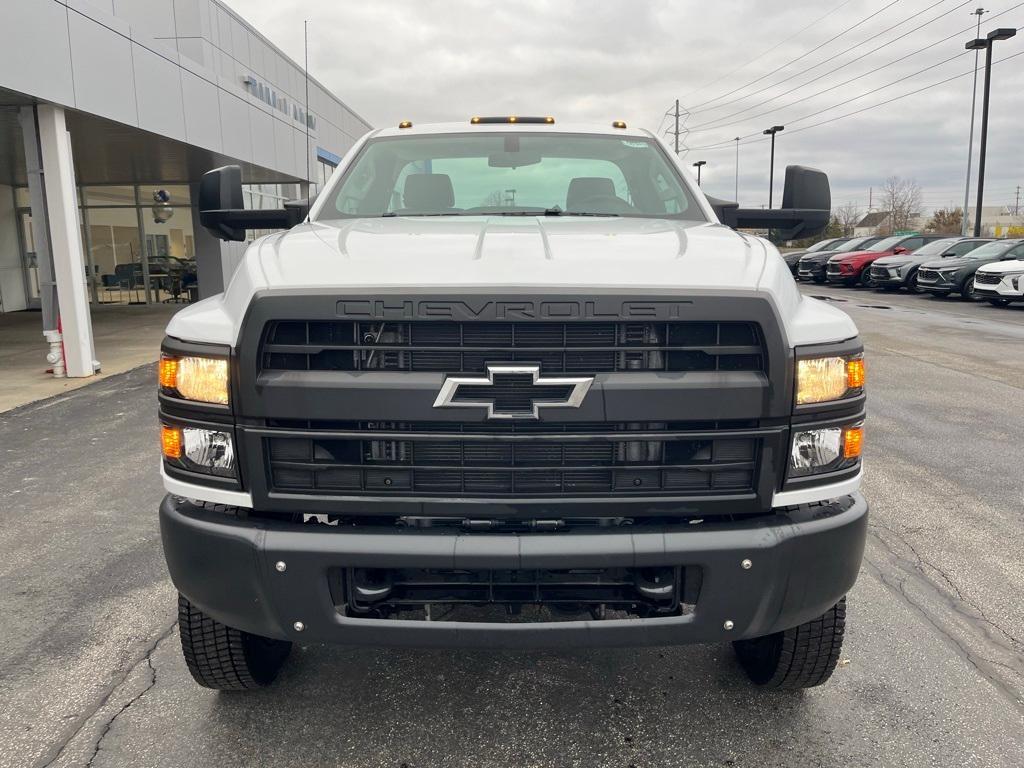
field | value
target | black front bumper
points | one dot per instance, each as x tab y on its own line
803	560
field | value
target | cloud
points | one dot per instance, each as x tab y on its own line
598	60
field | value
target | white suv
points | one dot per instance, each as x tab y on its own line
1002	281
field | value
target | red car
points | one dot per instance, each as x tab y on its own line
854	267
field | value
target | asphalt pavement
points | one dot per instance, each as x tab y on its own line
932	672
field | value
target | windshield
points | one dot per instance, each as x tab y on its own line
830	245
512	174
988	250
856	244
936	247
885	244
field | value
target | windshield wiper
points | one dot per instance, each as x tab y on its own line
552	211
392	214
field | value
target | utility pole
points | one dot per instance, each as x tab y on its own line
970	140
870	192
1016	204
771	167
677	128
737	193
974	45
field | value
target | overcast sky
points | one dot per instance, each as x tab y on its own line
433	60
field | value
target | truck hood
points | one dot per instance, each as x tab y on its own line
504	252
528	255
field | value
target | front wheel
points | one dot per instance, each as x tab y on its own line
967	292
912	285
867	280
224	658
802	657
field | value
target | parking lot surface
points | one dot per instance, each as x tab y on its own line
932	673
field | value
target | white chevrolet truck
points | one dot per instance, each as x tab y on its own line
508	383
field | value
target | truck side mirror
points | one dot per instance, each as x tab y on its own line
222	211
221	190
806	207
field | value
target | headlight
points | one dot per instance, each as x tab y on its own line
825	450
208	451
203	379
823	379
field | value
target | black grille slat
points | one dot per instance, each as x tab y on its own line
595	465
452	347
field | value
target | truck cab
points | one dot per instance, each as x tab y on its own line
508	383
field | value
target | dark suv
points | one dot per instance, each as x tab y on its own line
812	266
890	273
956	275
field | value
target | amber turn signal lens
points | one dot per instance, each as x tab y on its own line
170	442
855	373
853	442
168	372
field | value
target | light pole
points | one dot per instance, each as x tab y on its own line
1003	33
970	139
736	194
698	165
771	163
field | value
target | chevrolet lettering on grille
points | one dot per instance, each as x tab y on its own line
515	391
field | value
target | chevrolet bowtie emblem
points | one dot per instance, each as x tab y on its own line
513	391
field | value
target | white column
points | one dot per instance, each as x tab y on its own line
66	241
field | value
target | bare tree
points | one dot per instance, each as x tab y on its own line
901	199
847	215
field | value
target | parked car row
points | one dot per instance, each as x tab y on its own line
971	267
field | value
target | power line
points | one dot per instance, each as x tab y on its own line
709	126
801	56
901	96
717	121
846	51
765	53
754	138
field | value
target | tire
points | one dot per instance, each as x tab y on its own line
967	290
865	279
999	302
912	286
818	280
224	658
802	657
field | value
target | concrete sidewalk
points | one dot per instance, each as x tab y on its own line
125	338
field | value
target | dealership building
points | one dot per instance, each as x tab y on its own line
110	112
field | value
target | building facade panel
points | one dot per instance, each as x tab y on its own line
158	89
37	58
202	112
102	63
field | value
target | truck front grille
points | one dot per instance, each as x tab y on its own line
483	460
466	347
929	276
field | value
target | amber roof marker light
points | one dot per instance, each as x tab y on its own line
512	120
621	124
405	124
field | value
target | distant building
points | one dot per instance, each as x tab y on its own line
999	221
877	223
110	112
